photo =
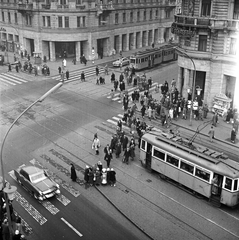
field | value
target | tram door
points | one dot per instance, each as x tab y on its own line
216	185
148	155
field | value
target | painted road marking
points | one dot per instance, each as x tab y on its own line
15	77
69	225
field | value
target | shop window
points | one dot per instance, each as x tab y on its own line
206	8
202	43
159	154
186	167
228	183
200	173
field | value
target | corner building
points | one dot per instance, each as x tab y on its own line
208	38
94	28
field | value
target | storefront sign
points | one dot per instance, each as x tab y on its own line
182	32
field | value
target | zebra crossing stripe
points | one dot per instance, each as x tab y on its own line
11	80
115	123
5	81
15	77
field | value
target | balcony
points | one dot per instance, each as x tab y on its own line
61	6
104	8
46	6
23	7
80	6
188	21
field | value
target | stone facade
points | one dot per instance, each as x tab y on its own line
75	27
208	44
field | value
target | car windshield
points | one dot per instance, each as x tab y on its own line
37	177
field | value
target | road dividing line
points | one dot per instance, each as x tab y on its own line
69	225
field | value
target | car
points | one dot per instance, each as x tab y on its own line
37	182
124	61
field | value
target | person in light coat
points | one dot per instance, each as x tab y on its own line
96	145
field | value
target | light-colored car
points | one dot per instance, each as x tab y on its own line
124	61
37	182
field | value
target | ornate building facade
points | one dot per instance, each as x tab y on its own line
90	27
207	31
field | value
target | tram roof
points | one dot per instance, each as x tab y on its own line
211	160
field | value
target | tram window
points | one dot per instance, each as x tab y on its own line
235	185
172	160
158	154
228	184
146	59
186	167
137	60
142	60
143	144
202	174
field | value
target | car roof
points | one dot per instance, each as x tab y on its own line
32	170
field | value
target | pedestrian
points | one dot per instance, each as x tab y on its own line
126	155
118	149
108	155
17	235
116	83
74	61
143	109
62	76
97	177
106	70
149	112
90	177
233	135
100	166
97	71
59	70
18	225
104	177
82	76
125	142
112	78
211	134
132	148
112	177
215	119
73	173
17	68
5	230
67	74
96	145
9	67
112	94
64	63
86	172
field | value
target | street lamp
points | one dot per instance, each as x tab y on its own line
10	189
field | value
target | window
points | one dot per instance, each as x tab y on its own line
143	145
44	21
124	17
200	173
116	18
156	13
63	2
228	183
28	20
206	8
172	160
15	16
10	37
48	21
66	22
138	16
131	17
235	185
202	43
83	21
158	153
78	2
9	17
16	38
233	46
3	17
167	13
144	15
186	167
60	22
150	15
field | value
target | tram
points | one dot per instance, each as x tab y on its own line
199	169
150	58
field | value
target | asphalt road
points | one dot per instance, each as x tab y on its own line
60	130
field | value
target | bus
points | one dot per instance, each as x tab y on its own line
199	169
150	58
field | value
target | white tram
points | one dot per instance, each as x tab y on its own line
202	170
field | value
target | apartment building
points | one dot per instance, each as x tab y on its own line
207	31
54	28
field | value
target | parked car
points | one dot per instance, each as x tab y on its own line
37	182
124	61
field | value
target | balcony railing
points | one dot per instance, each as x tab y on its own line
188	20
23	6
80	6
61	6
46	6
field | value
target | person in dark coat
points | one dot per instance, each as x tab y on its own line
126	155
59	70
112	177
112	79
67	74
125	142
143	109
82	76
100	166
73	173
97	70
215	119
17	68
233	135
108	172
91	177
108	155
118	149
9	67
132	148
86	176
116	83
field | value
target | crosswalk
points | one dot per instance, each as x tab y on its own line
75	75
11	79
117	97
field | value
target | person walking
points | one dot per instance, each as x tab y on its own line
108	155
211	134
82	76
118	149
233	135
112	177
9	67
215	119
59	70
132	148
67	74
86	174
143	109
73	173
126	155
64	63
97	71
96	145
62	76
125	141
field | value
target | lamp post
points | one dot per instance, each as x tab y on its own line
193	84
8	189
